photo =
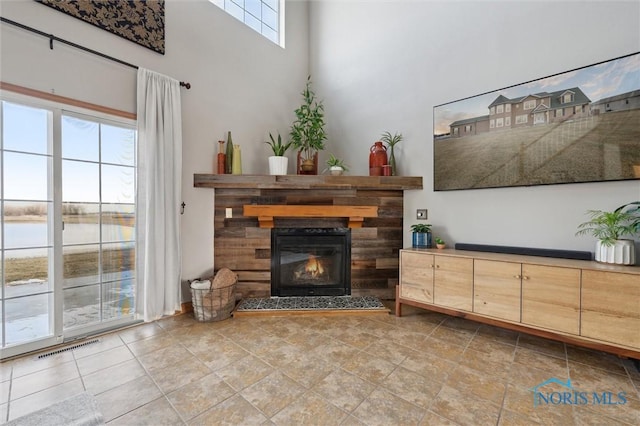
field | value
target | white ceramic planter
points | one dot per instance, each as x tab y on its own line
278	165
622	252
336	170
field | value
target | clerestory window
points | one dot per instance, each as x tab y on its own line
263	16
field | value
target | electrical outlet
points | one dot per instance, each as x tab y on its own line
421	214
228	212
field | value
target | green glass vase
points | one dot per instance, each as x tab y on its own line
229	159
392	162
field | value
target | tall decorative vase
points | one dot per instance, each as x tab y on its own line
377	158
236	167
392	162
222	159
229	156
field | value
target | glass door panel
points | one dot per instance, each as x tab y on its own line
118	184
26	254
26	176
118	222
118	299
28	318
118	261
98	236
80	139
81	223
81	265
80	182
118	145
25	128
81	306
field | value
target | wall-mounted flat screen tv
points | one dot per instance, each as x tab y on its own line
581	125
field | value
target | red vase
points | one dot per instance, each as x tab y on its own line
377	158
222	158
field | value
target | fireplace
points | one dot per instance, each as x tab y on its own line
310	262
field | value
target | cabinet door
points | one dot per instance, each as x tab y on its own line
416	276
496	288
551	297
611	307
453	282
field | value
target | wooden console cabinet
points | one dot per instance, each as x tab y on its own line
580	302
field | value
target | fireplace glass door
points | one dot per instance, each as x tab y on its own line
310	262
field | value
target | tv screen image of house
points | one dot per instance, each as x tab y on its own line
581	125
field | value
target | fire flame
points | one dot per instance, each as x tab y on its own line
314	267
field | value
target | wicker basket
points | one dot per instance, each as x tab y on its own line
213	304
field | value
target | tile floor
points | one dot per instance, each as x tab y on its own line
423	368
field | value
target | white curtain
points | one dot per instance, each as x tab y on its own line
158	254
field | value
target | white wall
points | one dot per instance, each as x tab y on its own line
240	82
383	65
378	65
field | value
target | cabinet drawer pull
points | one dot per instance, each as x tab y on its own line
430	266
437	266
524	277
517	276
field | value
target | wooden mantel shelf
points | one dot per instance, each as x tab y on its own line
203	180
266	213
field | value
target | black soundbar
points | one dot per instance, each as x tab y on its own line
528	251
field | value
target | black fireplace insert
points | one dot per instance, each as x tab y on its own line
310	262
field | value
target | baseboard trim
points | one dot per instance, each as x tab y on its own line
527	251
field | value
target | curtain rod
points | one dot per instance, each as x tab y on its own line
51	38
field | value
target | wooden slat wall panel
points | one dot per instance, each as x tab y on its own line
239	244
261	276
362	264
253	289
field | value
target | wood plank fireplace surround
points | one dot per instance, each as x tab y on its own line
371	206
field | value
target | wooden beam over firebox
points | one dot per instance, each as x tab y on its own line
266	213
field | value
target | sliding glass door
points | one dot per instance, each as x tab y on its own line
67	224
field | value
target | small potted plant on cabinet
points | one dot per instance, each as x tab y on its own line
336	166
609	228
307	131
440	243
421	237
278	162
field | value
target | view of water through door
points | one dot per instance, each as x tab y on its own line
67	225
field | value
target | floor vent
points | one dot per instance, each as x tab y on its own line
70	348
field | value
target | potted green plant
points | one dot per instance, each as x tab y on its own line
335	166
440	243
421	237
609	228
392	141
634	209
278	162
307	131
